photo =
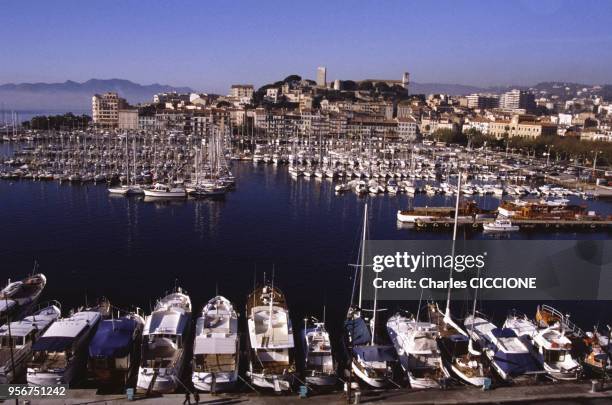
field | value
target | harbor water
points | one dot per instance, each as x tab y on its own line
131	250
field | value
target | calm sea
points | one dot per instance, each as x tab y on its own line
91	244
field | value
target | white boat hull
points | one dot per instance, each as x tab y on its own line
166	382
223	381
164	194
373	382
276	382
475	381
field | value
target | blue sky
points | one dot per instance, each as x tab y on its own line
210	44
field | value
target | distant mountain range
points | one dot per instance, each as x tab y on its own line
73	96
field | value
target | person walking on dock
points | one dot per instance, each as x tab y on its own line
187	400
196	397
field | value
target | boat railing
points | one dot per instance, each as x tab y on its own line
48	304
563	319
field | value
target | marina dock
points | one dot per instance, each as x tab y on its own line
548	393
476	223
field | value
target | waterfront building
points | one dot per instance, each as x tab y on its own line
407	128
522	125
105	109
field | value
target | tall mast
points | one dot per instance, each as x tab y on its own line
362	260
448	295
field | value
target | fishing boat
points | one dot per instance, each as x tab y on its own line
164	340
319	366
551	343
509	356
16	342
416	345
18	296
160	190
271	344
114	349
597	359
500	225
371	362
59	356
216	351
555	349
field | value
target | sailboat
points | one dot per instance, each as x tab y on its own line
271	344
416	344
163	344
458	351
128	188
319	367
18	338
216	351
371	362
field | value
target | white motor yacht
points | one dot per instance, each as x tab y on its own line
163	344
216	351
23	334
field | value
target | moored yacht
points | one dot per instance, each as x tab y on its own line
271	344
500	225
164	191
371	362
555	350
319	365
23	334
163	344
216	351
59	356
457	351
597	358
510	356
113	351
417	347
17	296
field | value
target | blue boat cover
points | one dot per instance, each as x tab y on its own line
375	353
357	331
515	364
503	333
114	338
53	344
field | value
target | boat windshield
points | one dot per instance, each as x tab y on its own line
554	356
